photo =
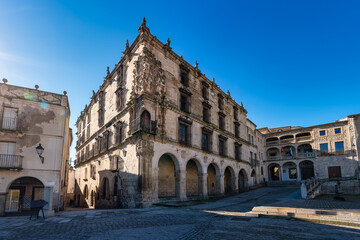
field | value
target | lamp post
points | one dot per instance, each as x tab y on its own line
40	150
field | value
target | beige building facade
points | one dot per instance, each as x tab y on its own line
33	121
326	151
159	130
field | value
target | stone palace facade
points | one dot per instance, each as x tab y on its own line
159	130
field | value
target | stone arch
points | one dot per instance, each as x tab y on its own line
105	188
273	153
306	169
213	179
274	171
193	178
20	193
305	150
242	180
168	176
229	180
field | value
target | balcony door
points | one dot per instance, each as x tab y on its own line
9	120
7	148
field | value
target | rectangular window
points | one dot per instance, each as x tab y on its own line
237	151
206	114
322	133
339	146
101	117
205	93
237	132
221	102
9	120
292	173
184	103
337	130
119	133
221	122
184	75
235	113
119	98
222	148
183	134
205	142
334	172
324	148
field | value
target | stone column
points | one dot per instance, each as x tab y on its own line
48	196
182	176
236	185
2	203
281	173
298	178
203	185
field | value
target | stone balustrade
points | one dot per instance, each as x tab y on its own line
310	188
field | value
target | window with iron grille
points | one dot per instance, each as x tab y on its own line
205	90
183	134
206	140
184	103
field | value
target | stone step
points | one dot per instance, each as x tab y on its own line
339	216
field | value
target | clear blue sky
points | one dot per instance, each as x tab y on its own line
289	62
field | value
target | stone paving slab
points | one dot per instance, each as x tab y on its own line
224	219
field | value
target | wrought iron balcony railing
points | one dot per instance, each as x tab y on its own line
11	161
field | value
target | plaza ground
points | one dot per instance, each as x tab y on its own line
222	219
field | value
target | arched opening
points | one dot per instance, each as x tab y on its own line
305	151
273	154
289	172
288	152
192	178
242	181
229	180
272	141
105	189
145	121
303	136
212	179
274	172
287	139
167	177
21	192
253	177
306	169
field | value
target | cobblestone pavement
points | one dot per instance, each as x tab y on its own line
213	220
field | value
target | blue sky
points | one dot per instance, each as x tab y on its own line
290	62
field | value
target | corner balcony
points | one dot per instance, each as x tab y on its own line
141	126
11	161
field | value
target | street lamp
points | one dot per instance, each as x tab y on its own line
40	150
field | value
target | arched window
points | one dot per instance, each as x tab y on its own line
145	121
